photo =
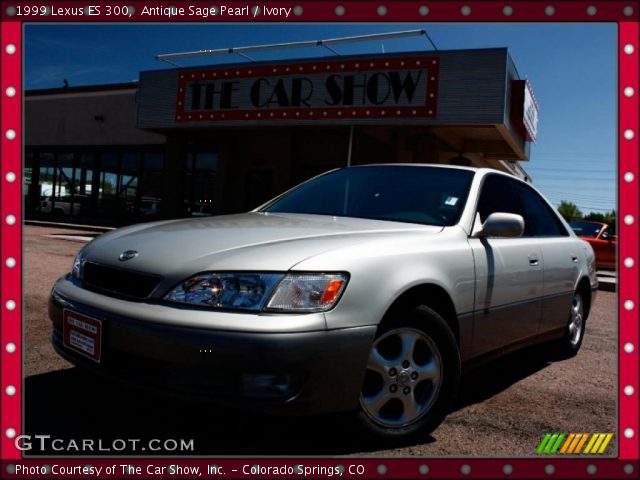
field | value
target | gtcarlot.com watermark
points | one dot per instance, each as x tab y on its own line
44	443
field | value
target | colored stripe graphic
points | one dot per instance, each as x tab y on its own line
582	441
547	448
605	442
573	443
558	442
567	443
591	442
543	443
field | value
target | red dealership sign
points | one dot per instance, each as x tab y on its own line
380	88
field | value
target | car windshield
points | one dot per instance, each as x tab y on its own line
424	195
586	229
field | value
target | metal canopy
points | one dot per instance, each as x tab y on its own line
243	51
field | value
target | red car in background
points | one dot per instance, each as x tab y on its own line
602	239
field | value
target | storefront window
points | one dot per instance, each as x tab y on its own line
128	183
151	187
63	185
45	185
108	185
30	198
200	183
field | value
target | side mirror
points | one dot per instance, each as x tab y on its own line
501	224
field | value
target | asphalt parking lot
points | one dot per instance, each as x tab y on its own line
504	409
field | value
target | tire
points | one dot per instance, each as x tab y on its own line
569	345
412	376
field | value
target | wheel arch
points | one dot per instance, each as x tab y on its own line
429	295
584	287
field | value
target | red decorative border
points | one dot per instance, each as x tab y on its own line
628	215
312	68
515	11
364	11
11	241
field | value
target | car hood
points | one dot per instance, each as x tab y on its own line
251	241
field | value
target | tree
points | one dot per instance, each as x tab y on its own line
608	217
569	211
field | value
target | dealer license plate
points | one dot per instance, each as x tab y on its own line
82	334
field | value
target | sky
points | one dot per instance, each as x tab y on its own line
572	69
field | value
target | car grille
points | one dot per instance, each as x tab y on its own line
119	282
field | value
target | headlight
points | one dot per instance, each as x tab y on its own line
306	292
226	290
78	265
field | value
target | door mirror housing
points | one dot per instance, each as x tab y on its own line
501	224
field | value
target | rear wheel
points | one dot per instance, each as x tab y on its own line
411	377
571	342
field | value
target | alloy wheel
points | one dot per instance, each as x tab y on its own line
403	378
576	320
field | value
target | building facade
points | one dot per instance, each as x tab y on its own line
223	139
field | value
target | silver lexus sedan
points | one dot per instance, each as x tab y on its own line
366	288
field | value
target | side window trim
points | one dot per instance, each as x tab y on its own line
476	210
551	211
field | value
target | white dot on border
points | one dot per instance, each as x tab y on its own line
423	469
340	10
382	469
628	219
627	11
10	305
628	469
298	10
628	305
465	469
10	432
592	469
507	469
381	10
10	347
549	469
628	347
11	134
591	10
465	10
549	10
10	390
629	433
424	11
628	177
629	91
628	134
10	219
628	262
10	177
10	262
10	92
628	49
629	390
507	11
10	49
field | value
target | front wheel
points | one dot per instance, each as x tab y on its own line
411	377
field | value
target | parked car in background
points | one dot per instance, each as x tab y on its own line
602	239
367	288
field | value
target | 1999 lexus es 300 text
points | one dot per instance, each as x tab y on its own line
366	288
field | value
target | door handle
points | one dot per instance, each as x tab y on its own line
533	260
574	258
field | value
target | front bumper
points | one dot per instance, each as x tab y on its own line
283	372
